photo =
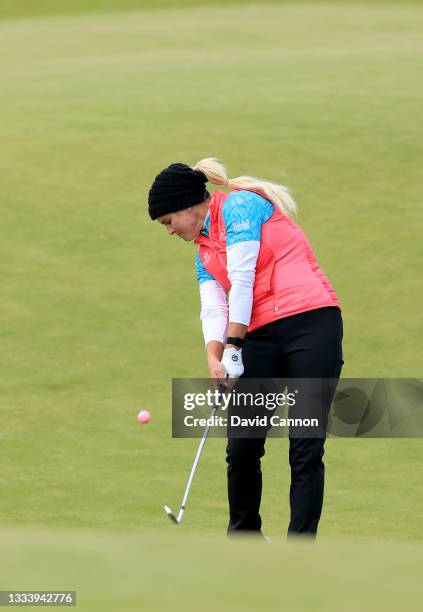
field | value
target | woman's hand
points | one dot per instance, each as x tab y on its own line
227	371
216	370
232	362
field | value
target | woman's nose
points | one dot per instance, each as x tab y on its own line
170	230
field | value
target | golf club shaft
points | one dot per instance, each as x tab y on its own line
194	467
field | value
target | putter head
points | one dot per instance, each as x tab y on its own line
170	514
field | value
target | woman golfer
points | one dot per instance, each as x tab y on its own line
267	310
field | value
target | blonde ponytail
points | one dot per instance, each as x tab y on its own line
279	195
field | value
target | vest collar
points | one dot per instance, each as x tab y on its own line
205	228
211	217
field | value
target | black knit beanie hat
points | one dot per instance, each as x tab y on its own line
175	188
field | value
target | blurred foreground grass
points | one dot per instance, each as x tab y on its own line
179	571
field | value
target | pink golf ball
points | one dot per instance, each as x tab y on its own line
144	417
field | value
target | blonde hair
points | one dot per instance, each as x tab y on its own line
279	195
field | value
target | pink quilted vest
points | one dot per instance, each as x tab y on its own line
288	278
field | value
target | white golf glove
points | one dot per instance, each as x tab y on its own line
232	362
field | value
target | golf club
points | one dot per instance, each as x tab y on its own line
177	519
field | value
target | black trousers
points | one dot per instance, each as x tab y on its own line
306	345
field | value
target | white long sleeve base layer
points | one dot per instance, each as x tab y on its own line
215	311
241	259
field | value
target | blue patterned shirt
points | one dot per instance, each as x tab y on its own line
244	212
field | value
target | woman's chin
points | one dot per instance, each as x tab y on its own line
186	237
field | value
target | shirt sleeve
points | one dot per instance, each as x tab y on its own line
214	305
241	267
244	212
214	312
202	274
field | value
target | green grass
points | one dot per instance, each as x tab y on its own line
100	308
40	8
161	572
